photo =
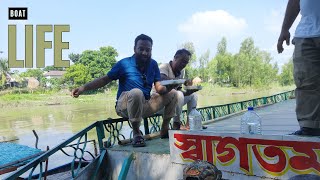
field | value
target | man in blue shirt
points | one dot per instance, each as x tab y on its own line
306	61
136	74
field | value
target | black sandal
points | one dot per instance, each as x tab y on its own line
138	141
164	135
176	125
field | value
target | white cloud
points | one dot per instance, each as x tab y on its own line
211	24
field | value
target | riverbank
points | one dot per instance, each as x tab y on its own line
227	95
62	97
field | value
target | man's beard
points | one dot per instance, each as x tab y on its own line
142	62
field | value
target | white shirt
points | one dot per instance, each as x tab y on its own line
309	25
166	69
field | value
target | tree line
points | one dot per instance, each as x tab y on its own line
250	66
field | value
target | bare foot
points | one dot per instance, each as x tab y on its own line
186	127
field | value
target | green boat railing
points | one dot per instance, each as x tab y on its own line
112	131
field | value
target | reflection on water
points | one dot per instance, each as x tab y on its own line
53	124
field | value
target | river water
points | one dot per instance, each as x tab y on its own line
56	123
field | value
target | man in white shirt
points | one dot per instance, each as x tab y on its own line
174	70
306	60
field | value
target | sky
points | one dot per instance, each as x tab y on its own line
169	23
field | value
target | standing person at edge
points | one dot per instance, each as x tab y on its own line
306	60
174	70
136	75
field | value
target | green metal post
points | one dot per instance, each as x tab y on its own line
125	168
102	156
100	134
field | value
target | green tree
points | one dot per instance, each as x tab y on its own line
222	46
36	73
236	75
52	68
203	70
54	83
250	61
252	67
99	61
4	70
286	76
224	62
74	57
77	75
266	72
212	69
224	67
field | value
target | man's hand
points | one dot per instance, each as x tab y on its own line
190	91
172	86
95	84
188	82
76	92
284	36
159	88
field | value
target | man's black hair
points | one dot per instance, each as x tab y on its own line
182	51
142	37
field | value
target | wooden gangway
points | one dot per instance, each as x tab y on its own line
277	119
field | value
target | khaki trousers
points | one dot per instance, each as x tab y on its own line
190	101
132	105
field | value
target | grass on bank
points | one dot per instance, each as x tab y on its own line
215	90
41	97
23	97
